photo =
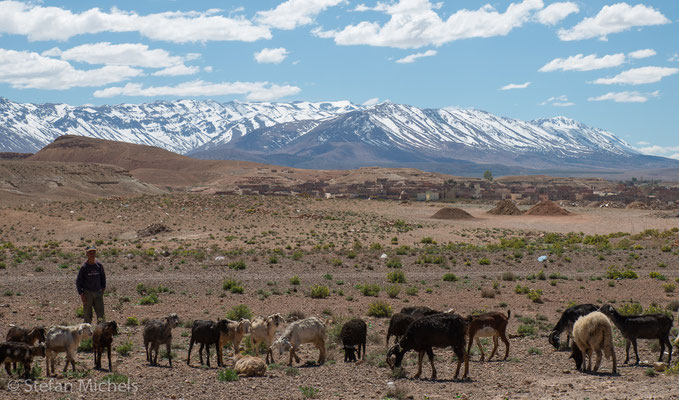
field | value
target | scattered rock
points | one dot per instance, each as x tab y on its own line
153	229
659	366
452	213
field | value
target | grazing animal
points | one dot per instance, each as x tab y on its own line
633	327
249	366
234	335
437	330
492	324
308	330
23	335
64	339
263	330
207	333
566	322
16	352
157	332
421	311
102	338
354	334
399	322
592	333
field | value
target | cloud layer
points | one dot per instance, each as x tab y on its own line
614	19
255	91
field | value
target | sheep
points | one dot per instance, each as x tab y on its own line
263	330
207	333
66	339
17	352
157	332
102	338
249	366
399	322
592	332
353	334
633	327
234	334
492	324
566	322
23	335
437	330
308	330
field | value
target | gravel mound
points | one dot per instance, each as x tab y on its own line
547	208
452	213
505	207
153	229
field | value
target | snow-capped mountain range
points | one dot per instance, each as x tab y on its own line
325	134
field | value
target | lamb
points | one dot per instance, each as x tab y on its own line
234	335
493	324
207	333
16	352
593	332
249	366
437	330
263	330
60	339
566	322
399	322
157	332
353	334
23	335
308	330
650	326
102	338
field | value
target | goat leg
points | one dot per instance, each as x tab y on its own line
188	357
207	354
636	353
506	342
478	344
168	348
430	354
420	355
108	351
627	345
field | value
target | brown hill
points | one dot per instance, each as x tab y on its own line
452	213
505	207
21	180
547	208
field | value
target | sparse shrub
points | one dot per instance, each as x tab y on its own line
535	296
508	276
370	290
412	291
526	330
239	312
484	261
227	375
379	309
132	321
669	287
233	286
393	291
541	276
673	305
450	277
237	265
295	280
396	277
487	293
427	240
534	351
658	276
319	292
309	392
149	300
521	289
125	348
614	272
630	309
394	262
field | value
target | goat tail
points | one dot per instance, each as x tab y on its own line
509	314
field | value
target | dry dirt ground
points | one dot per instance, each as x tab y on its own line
337	244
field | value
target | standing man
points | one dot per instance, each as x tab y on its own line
91	283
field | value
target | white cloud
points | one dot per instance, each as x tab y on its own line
581	62
412	57
371	102
414	23
177	70
638	76
271	56
131	54
558	101
254	91
556	12
28	70
515	86
662	151
208	69
643	143
644	53
625	97
613	19
293	13
675	57
55	23
379	7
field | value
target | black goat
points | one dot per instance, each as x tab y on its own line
400	322
207	333
102	338
566	322
633	327
353	335
28	336
15	352
438	330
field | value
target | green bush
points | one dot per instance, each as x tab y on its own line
85	345
149	300
237	265
125	348
669	287
484	261
630	309
412	291
371	290
535	296
309	392
239	312
319	292
658	276
427	240
394	262
379	309
227	375
132	321
526	330
450	277
393	291
233	286
613	272
295	280
396	277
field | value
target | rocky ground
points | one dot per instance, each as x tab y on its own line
338	244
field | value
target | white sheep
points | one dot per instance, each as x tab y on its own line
263	330
309	330
60	339
593	333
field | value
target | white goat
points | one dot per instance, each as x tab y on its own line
60	339
263	330
593	333
309	330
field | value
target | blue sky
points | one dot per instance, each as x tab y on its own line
610	65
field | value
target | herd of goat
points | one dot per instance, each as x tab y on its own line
420	329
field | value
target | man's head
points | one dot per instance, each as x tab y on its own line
91	252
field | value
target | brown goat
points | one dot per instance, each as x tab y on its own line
492	324
102	338
23	335
15	352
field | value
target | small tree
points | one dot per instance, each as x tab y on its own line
488	176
